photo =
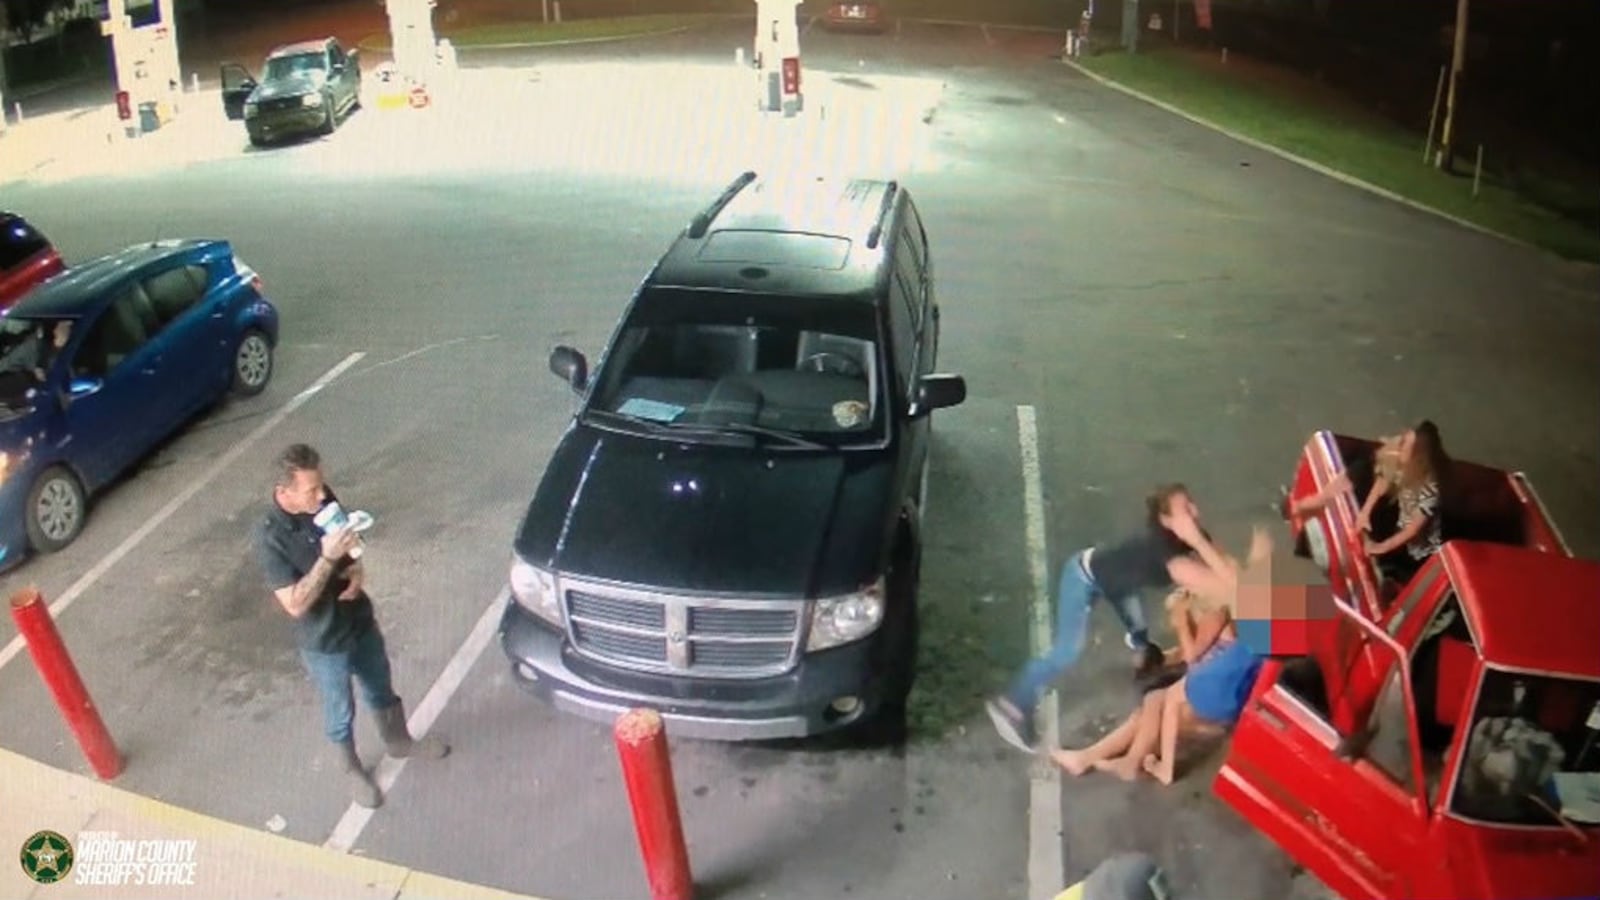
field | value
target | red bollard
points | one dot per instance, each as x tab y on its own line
641	740
61	676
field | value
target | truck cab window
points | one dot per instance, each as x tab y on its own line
1532	737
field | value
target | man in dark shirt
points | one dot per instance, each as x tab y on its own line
318	583
1171	549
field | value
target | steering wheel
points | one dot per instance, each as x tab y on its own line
835	363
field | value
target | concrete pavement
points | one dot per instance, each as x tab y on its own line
1169	302
224	860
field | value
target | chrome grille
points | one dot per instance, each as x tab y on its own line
280	104
688	635
735	622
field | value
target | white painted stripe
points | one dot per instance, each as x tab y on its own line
355	819
1045	865
87	579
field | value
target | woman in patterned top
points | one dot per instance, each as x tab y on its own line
1423	464
1411	467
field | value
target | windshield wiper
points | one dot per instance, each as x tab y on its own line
789	437
648	424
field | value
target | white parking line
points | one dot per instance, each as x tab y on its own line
1045	866
87	579
355	819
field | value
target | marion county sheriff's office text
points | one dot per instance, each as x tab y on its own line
104	858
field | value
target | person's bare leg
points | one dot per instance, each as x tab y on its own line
1126	766
1173	713
1077	762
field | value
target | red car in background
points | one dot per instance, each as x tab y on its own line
852	15
26	258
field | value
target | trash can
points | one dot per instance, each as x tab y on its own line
149	116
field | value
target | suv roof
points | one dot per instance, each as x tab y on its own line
313	46
77	290
805	235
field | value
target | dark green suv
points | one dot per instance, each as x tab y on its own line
304	88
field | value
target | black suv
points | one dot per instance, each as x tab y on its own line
729	529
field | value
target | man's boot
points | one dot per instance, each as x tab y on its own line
362	789
397	738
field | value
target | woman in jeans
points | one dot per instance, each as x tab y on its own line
1207	700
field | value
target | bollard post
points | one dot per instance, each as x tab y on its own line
61	677
18	105
641	740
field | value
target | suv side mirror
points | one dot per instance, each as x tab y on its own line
570	366
939	391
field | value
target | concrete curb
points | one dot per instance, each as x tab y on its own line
1335	174
998	26
462	48
230	859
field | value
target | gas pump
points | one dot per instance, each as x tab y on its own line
411	35
777	56
149	79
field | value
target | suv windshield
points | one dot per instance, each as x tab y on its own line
1534	747
693	362
290	66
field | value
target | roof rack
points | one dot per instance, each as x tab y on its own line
702	220
876	233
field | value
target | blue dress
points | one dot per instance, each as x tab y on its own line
1220	682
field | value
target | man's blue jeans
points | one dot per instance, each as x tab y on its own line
368	662
1073	599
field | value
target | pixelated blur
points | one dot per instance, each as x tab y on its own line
1279	619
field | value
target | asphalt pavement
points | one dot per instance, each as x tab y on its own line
1170	304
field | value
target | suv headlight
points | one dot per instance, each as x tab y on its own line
311	100
846	618
535	590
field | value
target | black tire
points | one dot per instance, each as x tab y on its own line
330	119
57	509
252	363
890	724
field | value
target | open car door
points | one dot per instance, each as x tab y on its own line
237	83
1325	761
1331	537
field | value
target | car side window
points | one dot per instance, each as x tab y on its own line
902	331
117	334
335	54
913	228
909	268
173	292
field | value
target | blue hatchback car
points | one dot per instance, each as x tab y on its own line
104	362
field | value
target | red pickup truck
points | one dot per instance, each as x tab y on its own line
1442	738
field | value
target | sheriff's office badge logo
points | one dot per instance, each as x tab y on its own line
46	857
